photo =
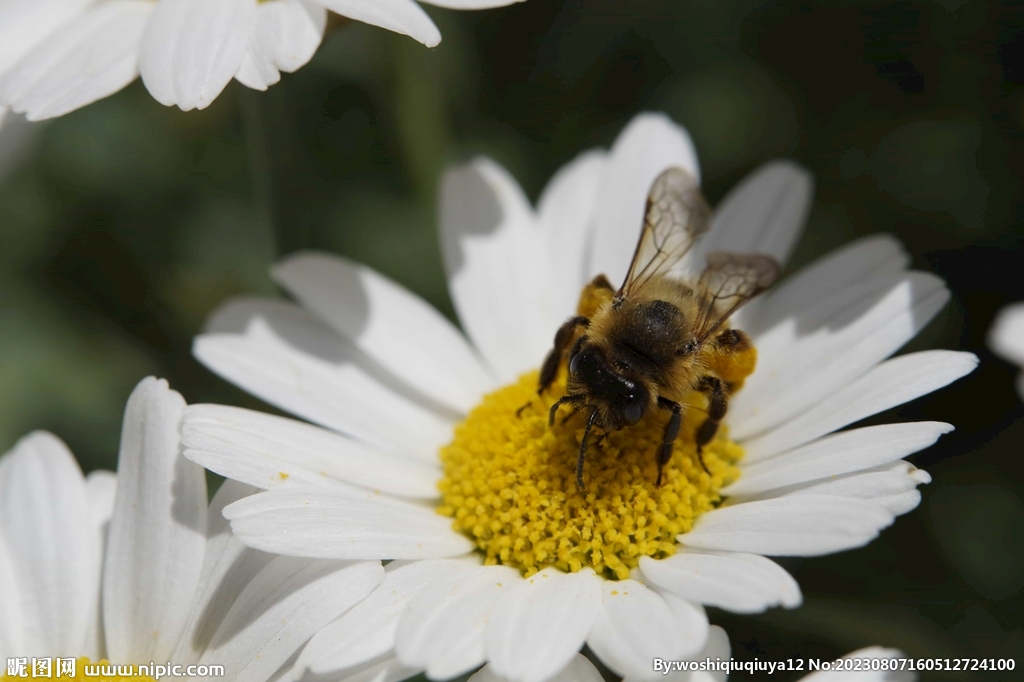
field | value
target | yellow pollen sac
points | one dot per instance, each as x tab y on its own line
510	484
83	670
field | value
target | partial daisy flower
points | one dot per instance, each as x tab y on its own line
711	664
1006	338
137	568
59	55
713	655
433	449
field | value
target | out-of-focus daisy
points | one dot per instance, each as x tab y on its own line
59	55
138	568
510	563
1006	338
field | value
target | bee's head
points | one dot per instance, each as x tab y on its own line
622	400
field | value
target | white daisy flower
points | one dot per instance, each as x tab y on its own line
1006	338
510	564
137	568
59	55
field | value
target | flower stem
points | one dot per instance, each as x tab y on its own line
420	114
274	161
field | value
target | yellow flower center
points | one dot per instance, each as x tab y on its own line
81	671
510	484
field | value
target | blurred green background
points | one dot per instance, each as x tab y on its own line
123	224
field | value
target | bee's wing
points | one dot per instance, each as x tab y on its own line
676	215
729	281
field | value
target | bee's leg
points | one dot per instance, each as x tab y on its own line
718	403
575	411
575	400
583	451
671	431
563	337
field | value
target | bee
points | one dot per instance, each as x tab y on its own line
661	335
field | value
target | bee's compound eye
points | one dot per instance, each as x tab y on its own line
633	410
574	364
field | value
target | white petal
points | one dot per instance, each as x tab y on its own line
12	623
538	626
223	581
647	146
497	275
52	544
741	583
635	624
256	70
280	353
269	452
367	630
23	25
471	4
691	623
866	259
893	486
579	669
228	566
801	525
838	454
385	668
311	523
285	35
717	648
400	16
391	325
891	383
442	629
289	31
566	210
1007	335
157	533
86	60
192	48
101	489
282	607
765	213
814	354
1006	338
867	675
